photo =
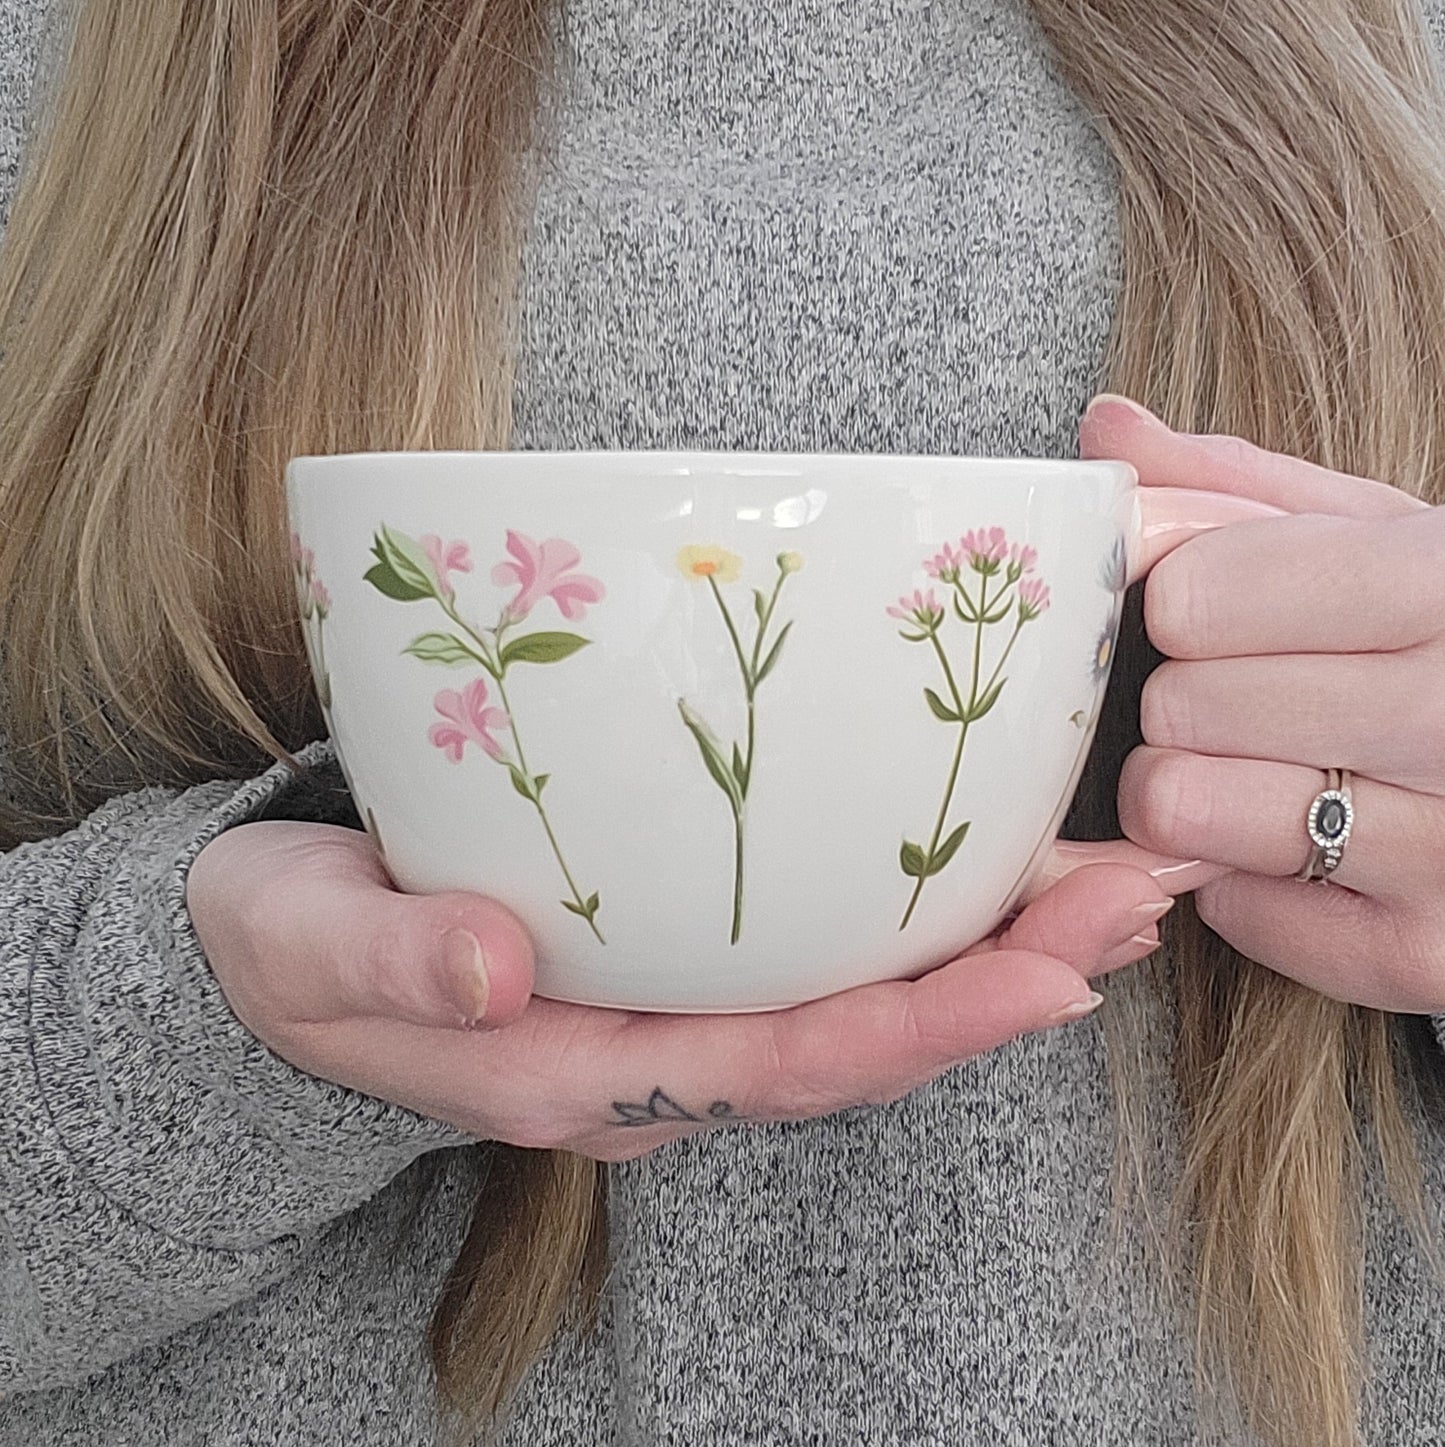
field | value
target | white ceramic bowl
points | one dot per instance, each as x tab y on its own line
726	731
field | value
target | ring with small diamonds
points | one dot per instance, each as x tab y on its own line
1330	819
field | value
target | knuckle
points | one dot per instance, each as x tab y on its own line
1429	721
1168	808
789	1084
1416	967
1165	715
1238	454
1176	604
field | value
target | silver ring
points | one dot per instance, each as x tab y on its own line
1331	817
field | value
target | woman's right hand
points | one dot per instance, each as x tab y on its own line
426	1001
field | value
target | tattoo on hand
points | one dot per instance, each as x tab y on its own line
660	1106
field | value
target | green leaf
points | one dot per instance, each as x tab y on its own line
985	703
523	785
969	614
740	771
407	561
947	850
542	648
912	860
997	615
914	637
541	782
760	604
443	648
384	580
771	660
712	756
585	910
940	709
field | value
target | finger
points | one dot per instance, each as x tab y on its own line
1251	816
1175	876
1277	587
1102	913
1119	428
1169	517
1380	714
1326	937
878	1042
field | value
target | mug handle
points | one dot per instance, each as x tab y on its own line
1165	518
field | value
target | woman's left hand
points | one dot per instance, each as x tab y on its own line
1296	644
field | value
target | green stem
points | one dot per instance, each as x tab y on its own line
948	791
737	877
765	622
732	632
496	670
973	697
749	688
978	642
998	668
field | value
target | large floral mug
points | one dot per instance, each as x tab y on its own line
726	731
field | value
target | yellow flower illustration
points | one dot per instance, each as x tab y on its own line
790	562
709	561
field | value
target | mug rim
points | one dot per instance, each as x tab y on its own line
744	463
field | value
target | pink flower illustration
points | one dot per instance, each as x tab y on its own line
446	558
1022	558
321	596
985	548
922	608
467	720
544	570
947	565
1033	598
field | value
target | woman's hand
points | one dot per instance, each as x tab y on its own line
1296	644
425	1001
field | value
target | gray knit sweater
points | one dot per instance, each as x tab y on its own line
880	225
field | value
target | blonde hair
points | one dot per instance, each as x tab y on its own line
252	228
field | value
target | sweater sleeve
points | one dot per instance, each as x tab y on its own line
157	1162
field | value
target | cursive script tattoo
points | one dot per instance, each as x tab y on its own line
660	1107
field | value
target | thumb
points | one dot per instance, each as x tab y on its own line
315	910
454	960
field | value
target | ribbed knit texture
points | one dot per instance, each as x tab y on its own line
883	225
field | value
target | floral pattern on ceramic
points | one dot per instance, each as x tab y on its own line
732	769
1113	577
988	583
315	603
415	570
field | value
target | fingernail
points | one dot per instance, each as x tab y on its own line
1078	1009
466	965
1155	909
1130	952
1127	404
1185	877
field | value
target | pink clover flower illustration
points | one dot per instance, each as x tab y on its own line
1033	598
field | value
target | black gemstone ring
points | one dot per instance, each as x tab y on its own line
1331	817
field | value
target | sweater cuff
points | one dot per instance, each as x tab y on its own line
187	1119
